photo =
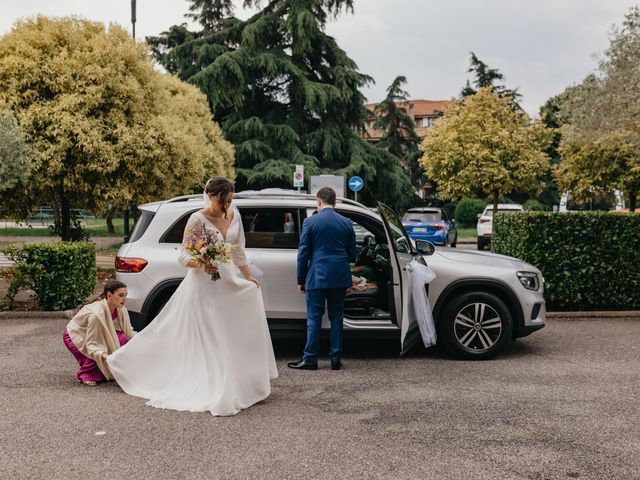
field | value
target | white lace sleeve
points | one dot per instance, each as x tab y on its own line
239	255
194	225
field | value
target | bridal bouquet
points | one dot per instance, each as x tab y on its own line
209	248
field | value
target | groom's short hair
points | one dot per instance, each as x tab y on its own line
327	195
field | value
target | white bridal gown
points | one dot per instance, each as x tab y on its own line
209	348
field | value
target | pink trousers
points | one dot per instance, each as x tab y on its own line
89	371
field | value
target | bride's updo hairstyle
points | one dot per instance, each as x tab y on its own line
221	186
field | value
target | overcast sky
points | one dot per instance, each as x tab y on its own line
541	46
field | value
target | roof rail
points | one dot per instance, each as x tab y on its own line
185	198
269	194
289	194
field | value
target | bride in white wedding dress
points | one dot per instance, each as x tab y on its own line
209	348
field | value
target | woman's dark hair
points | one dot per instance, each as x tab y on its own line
111	286
221	186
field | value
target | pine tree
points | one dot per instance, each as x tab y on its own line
487	77
210	14
400	138
285	93
392	117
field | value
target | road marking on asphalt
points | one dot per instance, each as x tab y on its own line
99	434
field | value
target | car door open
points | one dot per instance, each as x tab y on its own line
401	253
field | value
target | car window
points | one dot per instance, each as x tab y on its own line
175	233
364	225
399	237
271	227
361	232
141	225
422	217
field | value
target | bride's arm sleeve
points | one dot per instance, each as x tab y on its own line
193	225
239	255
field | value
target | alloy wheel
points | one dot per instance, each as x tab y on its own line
477	327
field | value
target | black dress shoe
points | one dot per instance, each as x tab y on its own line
336	365
302	365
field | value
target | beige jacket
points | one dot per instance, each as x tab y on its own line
92	331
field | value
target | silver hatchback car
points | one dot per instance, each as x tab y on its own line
480	300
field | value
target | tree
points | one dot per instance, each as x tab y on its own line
210	14
600	142
550	118
594	166
483	146
399	137
487	77
285	93
106	128
15	156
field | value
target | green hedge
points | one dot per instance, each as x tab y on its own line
589	260
467	211
62	274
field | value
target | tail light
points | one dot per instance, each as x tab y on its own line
485	220
130	265
437	226
406	224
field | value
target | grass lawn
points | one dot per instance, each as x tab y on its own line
95	227
467	233
112	250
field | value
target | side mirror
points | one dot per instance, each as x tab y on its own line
479	215
424	247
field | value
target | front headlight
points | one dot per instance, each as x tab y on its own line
529	280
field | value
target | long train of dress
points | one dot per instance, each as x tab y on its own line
209	348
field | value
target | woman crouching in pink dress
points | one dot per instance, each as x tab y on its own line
98	330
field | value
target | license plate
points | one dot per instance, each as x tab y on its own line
420	230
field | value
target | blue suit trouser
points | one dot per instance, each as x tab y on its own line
316	299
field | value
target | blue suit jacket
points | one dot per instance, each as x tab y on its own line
327	245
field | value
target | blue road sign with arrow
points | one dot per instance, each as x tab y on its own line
355	184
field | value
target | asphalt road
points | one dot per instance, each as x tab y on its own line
562	403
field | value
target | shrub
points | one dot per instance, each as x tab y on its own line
77	233
533	205
61	274
467	211
589	260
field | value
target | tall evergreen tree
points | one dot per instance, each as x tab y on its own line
392	117
487	77
400	138
210	14
285	93
550	117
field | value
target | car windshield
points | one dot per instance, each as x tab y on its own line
422	217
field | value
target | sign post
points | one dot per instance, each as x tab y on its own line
356	184
298	177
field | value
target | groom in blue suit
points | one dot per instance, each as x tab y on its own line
327	245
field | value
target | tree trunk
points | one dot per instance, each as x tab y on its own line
110	228
496	197
65	214
633	197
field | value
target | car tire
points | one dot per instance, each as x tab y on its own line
480	243
475	326
159	303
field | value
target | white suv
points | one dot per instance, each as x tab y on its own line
485	222
480	301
